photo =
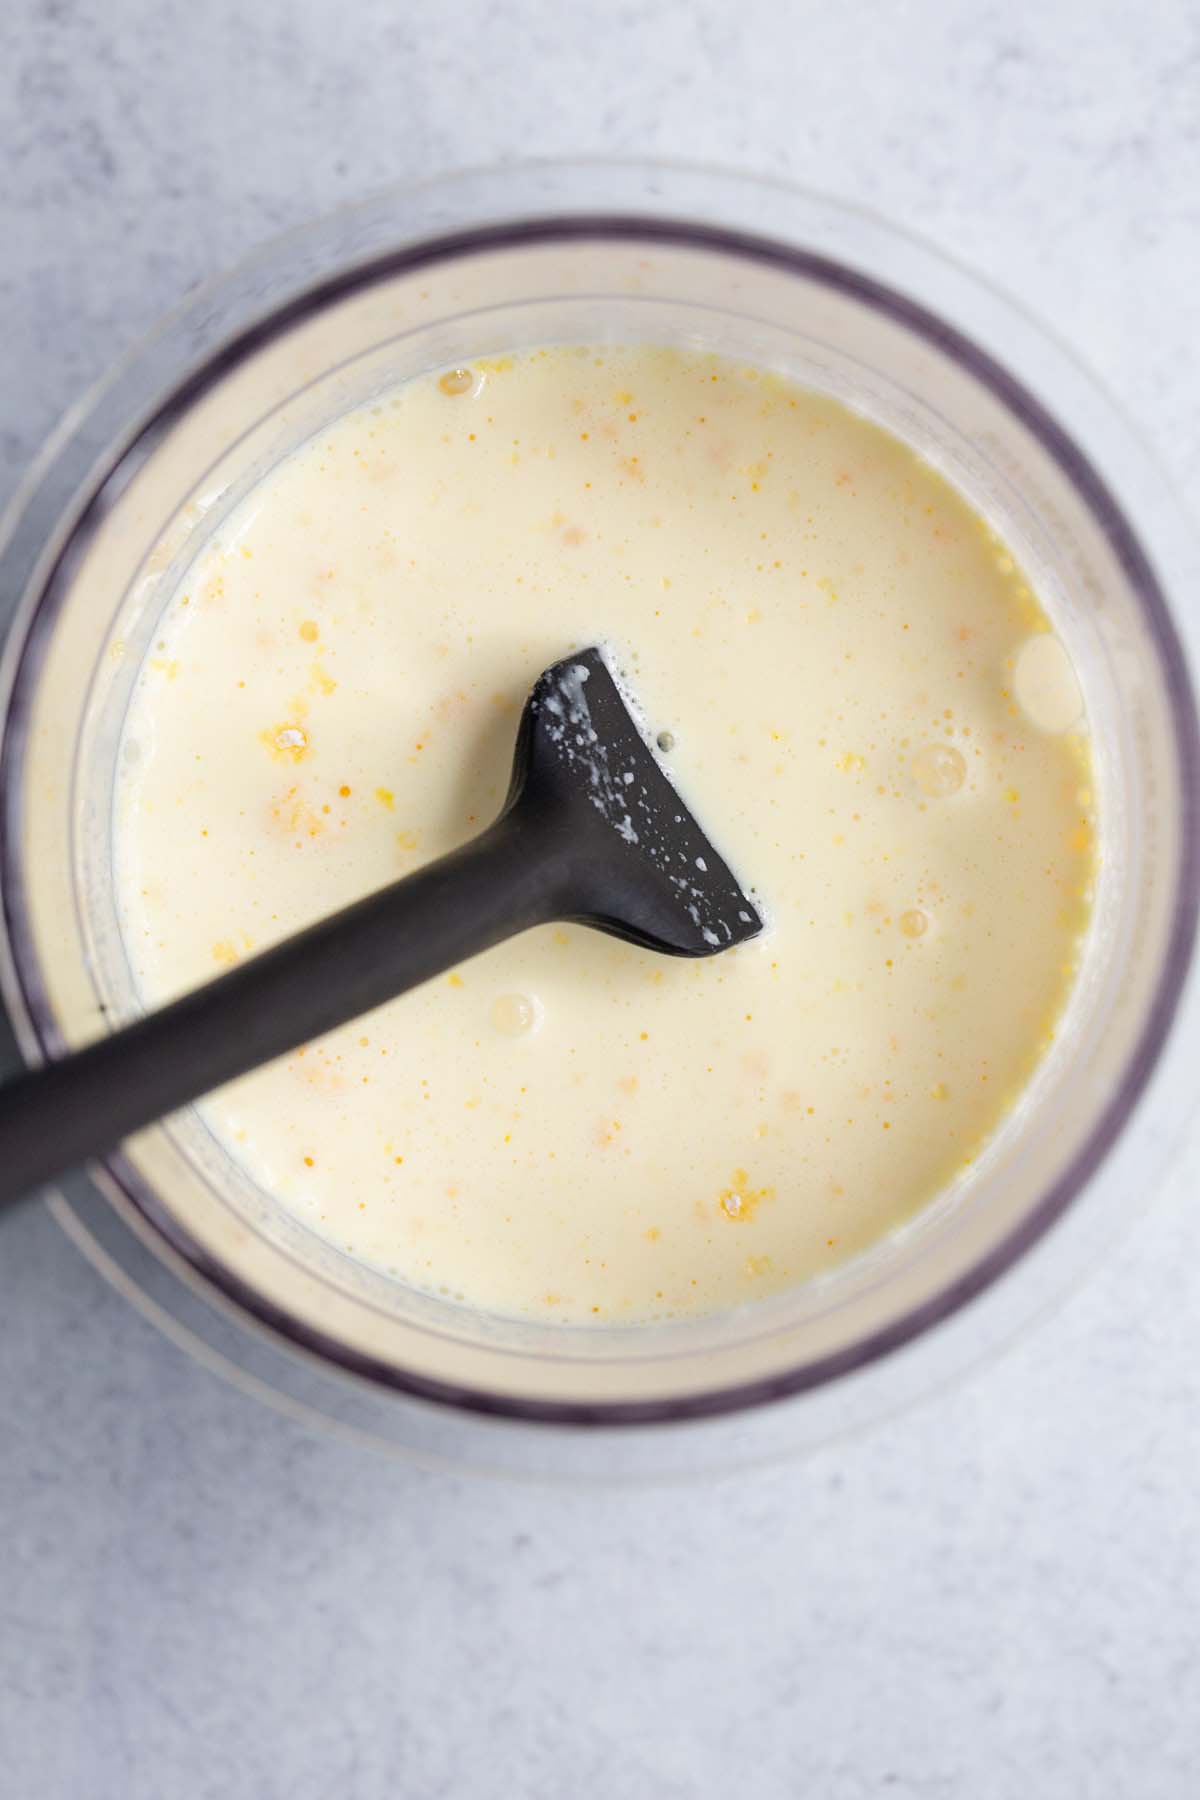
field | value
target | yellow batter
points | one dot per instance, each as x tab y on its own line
866	712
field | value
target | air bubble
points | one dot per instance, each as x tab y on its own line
456	382
515	1015
1046	686
939	770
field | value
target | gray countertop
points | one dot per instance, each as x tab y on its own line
996	1594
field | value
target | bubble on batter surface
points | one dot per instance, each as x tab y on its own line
1046	686
515	1015
938	770
458	383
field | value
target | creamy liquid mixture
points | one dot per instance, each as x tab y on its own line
866	710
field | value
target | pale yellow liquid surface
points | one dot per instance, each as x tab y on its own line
869	719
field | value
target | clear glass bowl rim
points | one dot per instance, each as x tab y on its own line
29	1010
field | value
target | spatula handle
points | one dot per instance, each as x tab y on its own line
506	880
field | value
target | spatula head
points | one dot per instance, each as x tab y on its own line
636	862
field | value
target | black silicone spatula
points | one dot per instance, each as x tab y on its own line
592	832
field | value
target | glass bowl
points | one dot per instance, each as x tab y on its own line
143	470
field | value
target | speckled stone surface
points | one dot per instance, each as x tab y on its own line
997	1594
